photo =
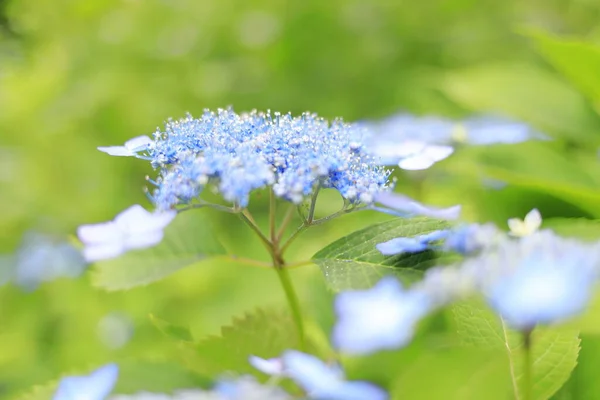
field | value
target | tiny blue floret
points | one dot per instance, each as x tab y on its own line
96	386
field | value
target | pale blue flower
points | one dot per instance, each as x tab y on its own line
488	129
131	148
540	279
468	239
134	228
41	258
382	317
96	386
414	244
247	388
322	381
397	204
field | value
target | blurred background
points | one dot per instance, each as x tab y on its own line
75	75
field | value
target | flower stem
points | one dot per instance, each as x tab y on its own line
527	366
294	304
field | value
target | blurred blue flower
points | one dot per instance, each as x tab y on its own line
540	279
400	205
40	258
239	153
134	228
320	381
414	244
247	388
96	386
414	142
468	239
382	317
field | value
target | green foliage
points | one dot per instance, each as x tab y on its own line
554	350
577	60
581	228
175	332
353	262
263	333
188	239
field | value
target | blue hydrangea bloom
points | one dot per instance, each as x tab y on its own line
238	153
414	244
320	381
540	279
382	317
96	386
134	228
40	258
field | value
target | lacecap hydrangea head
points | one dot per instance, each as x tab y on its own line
238	153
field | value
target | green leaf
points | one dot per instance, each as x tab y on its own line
548	171
514	89
261	333
554	350
188	240
353	262
578	61
584	383
454	374
178	333
581	228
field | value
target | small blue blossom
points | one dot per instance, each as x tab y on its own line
40	258
320	381
471	238
415	244
540	279
400	205
383	317
96	386
134	228
239	153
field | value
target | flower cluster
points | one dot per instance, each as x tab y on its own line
238	153
416	143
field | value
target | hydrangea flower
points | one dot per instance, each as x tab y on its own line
471	238
320	381
397	204
239	153
540	279
247	388
134	228
382	317
96	386
414	244
527	226
41	258
184	394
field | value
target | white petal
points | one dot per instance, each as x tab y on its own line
136	219
416	163
271	366
99	233
533	220
438	153
103	251
141	240
138	143
121	151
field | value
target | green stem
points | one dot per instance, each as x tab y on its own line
292	298
286	221
527	366
247	218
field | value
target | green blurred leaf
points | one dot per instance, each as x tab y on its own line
554	350
524	92
454	374
188	239
263	333
172	331
581	228
584	383
353	262
538	166
577	60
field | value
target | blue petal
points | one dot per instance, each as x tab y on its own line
96	386
399	204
